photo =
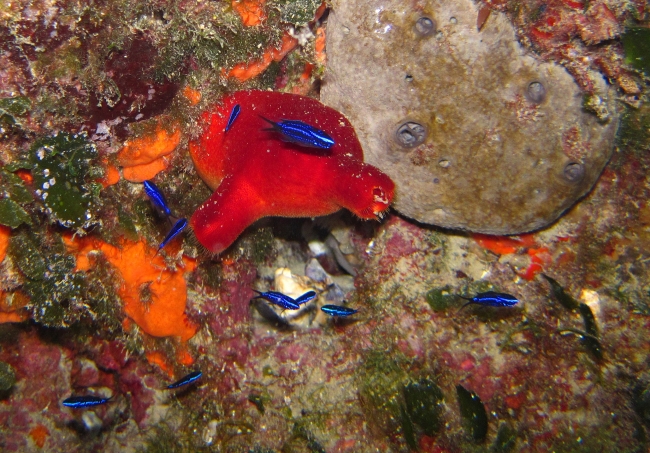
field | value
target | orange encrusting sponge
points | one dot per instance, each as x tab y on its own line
154	296
144	157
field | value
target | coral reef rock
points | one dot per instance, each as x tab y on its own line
477	133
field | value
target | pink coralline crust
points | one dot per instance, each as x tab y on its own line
84	373
42	380
110	355
36	358
404	239
235	350
229	314
289	351
139	395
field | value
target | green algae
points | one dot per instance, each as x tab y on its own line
634	131
16	195
558	292
424	405
301	433
506	439
590	342
591	328
12	110
473	413
14	187
63	173
258	401
260	245
401	406
12	214
636	42
165	438
382	377
7	377
641	400
408	429
441	299
54	289
17	106
297	12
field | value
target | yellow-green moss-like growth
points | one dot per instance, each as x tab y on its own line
54	289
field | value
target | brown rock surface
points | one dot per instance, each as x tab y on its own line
477	133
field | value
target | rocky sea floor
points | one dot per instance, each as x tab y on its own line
96	98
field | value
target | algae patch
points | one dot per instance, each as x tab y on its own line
63	174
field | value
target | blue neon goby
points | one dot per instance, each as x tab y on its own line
234	113
79	402
338	310
156	197
192	377
303	299
279	299
175	230
301	133
491	299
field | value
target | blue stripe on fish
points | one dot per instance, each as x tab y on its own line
301	133
156	197
491	299
234	113
309	295
279	299
192	377
173	232
338	310
79	402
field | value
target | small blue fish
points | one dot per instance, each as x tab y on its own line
175	231
192	377
338	310
79	402
234	113
491	299
301	133
279	299
309	295
156	197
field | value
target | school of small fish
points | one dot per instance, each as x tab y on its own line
302	134
158	201
84	401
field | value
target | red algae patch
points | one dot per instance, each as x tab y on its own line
39	434
154	296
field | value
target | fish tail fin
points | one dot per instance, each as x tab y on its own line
274	126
